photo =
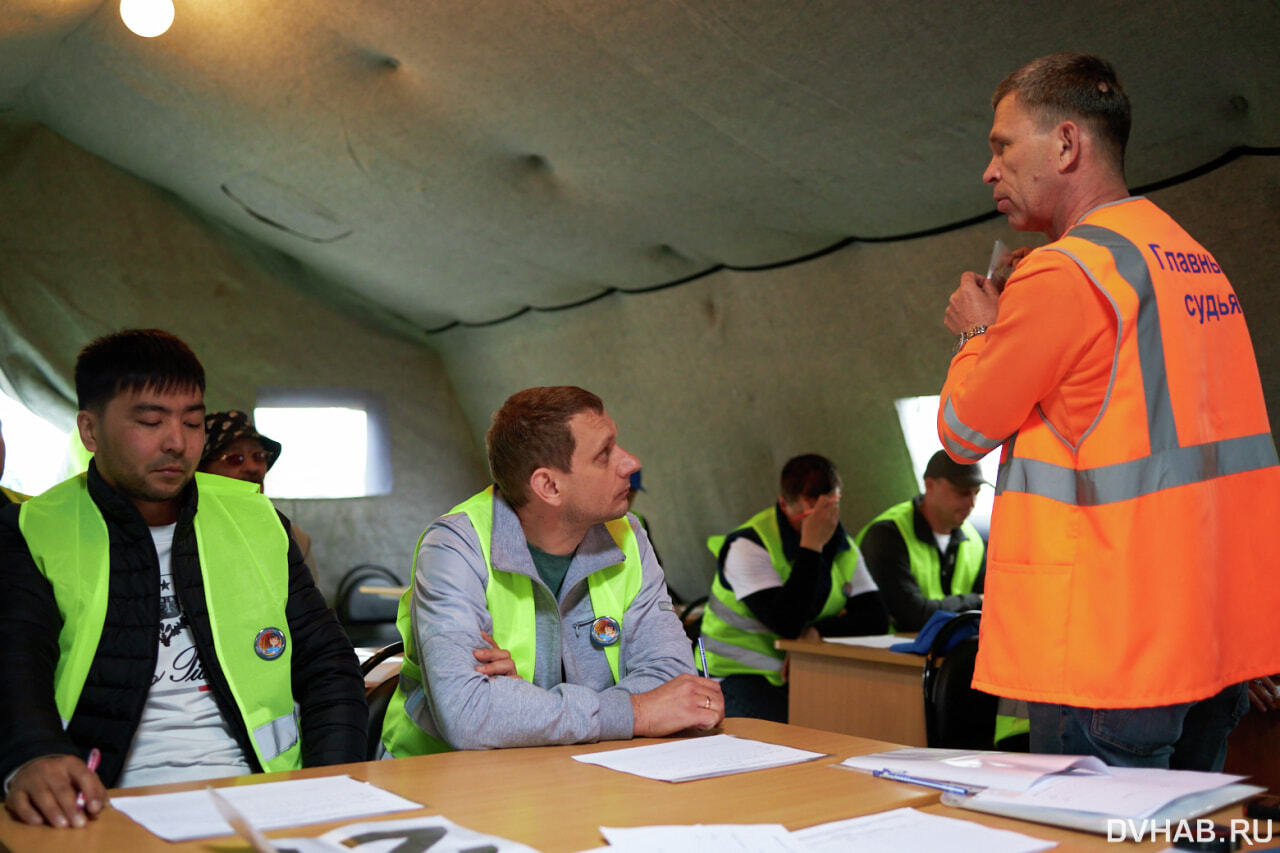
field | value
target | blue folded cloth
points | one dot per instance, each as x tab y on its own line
920	645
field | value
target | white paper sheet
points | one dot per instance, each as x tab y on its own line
698	758
912	831
976	768
1132	792
704	838
875	641
437	834
268	805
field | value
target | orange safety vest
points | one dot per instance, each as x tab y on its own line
1137	568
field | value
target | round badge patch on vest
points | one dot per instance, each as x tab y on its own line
270	643
605	631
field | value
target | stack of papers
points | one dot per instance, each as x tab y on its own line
698	758
1066	790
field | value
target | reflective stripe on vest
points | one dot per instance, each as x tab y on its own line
924	557
243	552
1169	464
737	643
509	599
1106	546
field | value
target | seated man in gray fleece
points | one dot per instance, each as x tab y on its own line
538	613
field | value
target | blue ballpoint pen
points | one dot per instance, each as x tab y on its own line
703	653
949	787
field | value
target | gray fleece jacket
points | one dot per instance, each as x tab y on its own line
573	699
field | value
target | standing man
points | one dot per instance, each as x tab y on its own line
537	611
788	571
156	616
234	448
923	553
1130	595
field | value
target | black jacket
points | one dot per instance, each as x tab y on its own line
326	679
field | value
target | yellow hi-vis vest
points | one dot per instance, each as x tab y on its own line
926	563
736	642
244	566
509	599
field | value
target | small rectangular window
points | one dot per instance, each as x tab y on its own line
919	419
333	442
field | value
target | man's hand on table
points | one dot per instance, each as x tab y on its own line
44	790
684	702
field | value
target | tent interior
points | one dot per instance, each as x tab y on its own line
737	222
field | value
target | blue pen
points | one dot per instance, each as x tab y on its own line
703	652
949	787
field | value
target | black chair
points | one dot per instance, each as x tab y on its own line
369	618
379	696
955	715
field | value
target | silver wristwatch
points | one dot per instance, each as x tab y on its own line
971	332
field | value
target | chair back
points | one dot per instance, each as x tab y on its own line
369	618
956	716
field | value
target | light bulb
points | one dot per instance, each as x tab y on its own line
147	18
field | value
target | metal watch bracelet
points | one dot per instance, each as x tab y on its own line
971	332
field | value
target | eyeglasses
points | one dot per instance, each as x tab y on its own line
236	459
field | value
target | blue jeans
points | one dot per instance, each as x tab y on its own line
1189	736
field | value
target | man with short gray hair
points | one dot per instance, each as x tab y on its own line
1129	595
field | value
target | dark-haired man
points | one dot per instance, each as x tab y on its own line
789	570
537	611
159	617
234	448
923	553
1129	595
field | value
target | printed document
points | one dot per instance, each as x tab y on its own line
704	838
269	805
698	758
436	834
912	831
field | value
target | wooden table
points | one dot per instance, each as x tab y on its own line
544	798
857	690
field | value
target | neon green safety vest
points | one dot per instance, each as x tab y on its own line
926	562
509	599
244	564
738	643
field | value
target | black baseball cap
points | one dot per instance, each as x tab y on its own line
943	466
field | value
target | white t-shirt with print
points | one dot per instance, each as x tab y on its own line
182	735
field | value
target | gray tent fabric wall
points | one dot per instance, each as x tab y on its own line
714	384
89	250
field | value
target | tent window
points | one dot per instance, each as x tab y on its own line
36	450
919	419
334	442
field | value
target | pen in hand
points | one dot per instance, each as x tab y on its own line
702	652
92	762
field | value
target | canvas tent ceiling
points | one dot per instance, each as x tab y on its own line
456	161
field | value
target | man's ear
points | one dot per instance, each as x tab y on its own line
87	423
545	486
1068	138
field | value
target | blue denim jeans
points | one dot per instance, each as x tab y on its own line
1189	736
